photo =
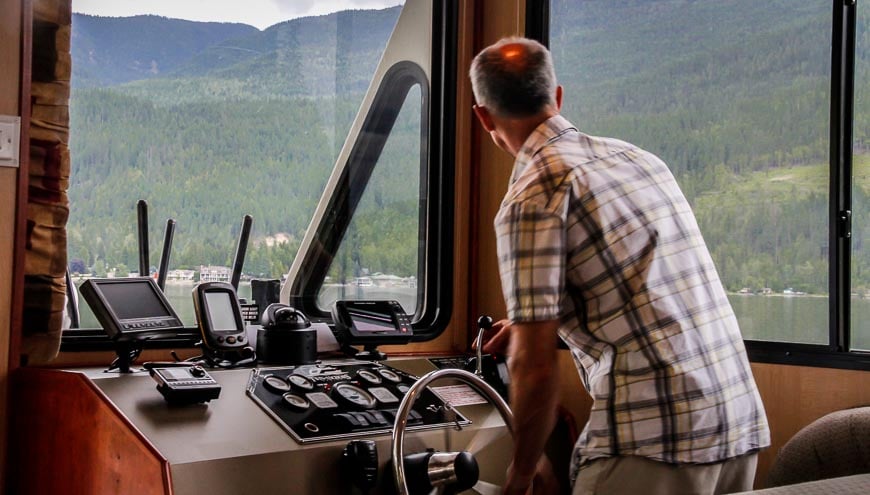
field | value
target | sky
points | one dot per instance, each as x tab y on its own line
258	13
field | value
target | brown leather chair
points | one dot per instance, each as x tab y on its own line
834	445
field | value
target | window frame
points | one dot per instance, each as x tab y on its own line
436	258
837	353
434	303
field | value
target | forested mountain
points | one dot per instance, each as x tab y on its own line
247	125
112	50
237	120
735	97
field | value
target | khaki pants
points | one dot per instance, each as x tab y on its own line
642	476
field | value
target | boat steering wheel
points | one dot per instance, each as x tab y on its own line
398	437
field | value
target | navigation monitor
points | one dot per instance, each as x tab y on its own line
131	309
371	322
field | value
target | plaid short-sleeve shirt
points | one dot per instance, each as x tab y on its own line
596	232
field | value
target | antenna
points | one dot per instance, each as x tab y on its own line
164	256
72	302
142	210
241	249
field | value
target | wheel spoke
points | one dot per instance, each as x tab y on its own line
483	438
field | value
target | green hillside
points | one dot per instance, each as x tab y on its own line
251	122
735	97
108	50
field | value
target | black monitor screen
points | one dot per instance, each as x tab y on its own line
131	308
371	321
132	300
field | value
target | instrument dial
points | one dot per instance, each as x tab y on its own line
390	375
302	382
276	384
296	401
369	376
354	395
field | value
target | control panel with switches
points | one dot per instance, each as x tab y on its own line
331	401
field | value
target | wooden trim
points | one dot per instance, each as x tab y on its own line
474	226
56	409
17	310
103	358
502	18
464	304
14	89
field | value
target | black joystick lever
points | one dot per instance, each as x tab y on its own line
484	322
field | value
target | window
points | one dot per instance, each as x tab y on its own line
737	98
386	215
382	229
211	121
860	295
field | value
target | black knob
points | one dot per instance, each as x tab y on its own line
484	322
467	472
359	463
197	371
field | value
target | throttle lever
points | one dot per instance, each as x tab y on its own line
484	323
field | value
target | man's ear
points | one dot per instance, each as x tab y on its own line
484	117
559	97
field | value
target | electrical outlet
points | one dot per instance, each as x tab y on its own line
10	132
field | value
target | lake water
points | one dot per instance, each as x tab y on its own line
796	318
775	317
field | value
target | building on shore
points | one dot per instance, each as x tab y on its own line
181	275
214	273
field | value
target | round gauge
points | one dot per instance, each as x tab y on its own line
300	381
276	384
369	376
354	395
390	375
403	388
295	401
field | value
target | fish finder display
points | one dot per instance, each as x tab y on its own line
371	322
367	321
220	310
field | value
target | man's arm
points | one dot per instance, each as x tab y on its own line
534	396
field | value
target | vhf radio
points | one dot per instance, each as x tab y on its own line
183	383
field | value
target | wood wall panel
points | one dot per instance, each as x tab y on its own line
795	396
503	18
463	307
10	83
65	434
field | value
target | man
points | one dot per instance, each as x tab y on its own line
598	246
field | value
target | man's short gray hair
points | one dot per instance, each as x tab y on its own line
514	77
